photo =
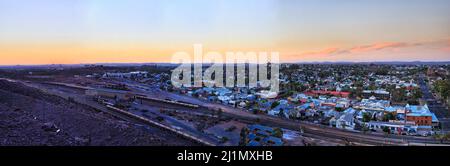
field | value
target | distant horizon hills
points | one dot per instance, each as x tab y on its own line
174	64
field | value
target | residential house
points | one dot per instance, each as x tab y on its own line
372	105
283	108
379	94
347	119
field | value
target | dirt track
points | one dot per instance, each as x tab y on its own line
30	117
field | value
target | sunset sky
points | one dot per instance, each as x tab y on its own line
127	31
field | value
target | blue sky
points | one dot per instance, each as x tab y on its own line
293	27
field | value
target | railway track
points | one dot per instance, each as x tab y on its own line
159	125
116	112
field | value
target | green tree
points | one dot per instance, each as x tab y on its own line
277	132
382	71
441	137
281	113
274	104
364	128
389	116
417	93
224	140
372	87
366	117
443	88
399	95
243	135
358	92
386	130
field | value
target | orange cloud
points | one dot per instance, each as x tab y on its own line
447	47
376	47
392	46
327	51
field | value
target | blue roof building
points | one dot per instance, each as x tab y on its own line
417	110
253	143
262	135
273	141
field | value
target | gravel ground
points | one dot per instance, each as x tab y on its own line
30	117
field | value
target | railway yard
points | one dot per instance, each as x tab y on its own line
31	117
78	119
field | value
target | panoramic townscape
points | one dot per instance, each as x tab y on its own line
319	104
229	75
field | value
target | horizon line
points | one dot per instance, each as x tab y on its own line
169	63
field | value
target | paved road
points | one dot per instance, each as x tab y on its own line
439	109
